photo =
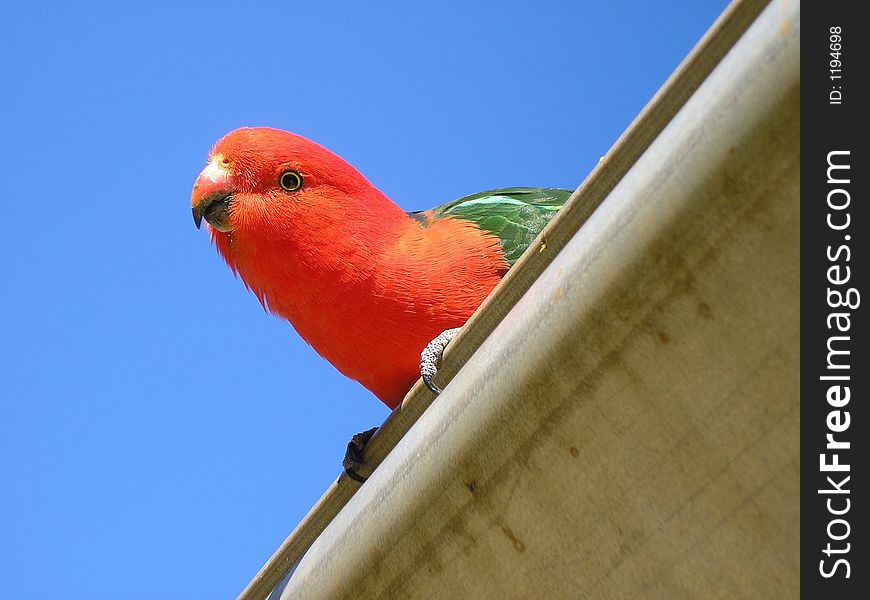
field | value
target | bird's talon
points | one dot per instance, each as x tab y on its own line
355	476
431	385
430	357
353	456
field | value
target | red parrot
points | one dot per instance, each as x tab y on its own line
365	283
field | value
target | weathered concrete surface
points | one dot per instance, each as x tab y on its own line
630	430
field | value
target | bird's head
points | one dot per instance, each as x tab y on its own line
267	180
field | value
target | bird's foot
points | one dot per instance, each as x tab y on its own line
431	355
353	457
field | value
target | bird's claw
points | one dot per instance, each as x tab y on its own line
353	457
431	355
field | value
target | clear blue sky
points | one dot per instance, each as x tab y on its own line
160	434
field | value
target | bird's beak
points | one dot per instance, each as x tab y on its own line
212	195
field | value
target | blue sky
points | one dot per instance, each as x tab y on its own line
160	434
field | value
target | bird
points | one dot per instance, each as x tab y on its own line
366	284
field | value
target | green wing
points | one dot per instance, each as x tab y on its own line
514	215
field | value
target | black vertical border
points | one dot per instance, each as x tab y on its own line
826	127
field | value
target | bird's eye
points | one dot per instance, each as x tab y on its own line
290	180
